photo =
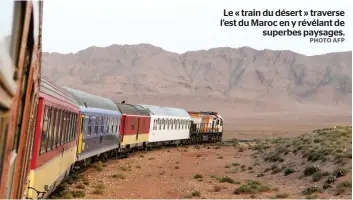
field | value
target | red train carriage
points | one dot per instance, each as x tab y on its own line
54	150
135	126
20	57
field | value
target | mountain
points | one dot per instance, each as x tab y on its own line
241	80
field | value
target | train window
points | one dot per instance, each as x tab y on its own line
112	125
60	128
45	130
96	126
158	124
102	125
65	126
74	128
106	125
132	123
72	124
51	129
71	131
116	125
89	126
74	118
69	127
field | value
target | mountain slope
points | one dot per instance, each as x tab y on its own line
226	73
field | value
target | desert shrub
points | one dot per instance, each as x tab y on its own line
196	194
196	176
251	187
78	194
226	179
344	184
98	191
274	158
121	176
100	186
80	186
330	179
276	170
317	176
217	188
326	186
282	195
288	171
311	190
311	170
339	172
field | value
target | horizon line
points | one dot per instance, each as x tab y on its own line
343	51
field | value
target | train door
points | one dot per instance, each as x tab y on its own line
80	135
138	128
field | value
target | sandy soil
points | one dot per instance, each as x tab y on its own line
169	173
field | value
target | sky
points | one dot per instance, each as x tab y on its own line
181	25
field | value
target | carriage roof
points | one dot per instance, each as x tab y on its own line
132	109
53	90
165	111
92	101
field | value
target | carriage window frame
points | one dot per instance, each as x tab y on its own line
96	125
64	129
74	125
68	127
101	129
132	123
43	146
51	130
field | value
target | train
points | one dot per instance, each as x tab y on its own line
48	131
75	129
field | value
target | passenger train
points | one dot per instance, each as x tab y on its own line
48	131
75	128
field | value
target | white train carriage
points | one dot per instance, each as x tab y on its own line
168	125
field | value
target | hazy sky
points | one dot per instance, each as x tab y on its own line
178	25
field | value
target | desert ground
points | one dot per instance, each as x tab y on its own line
312	165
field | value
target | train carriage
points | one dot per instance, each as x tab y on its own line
135	126
54	149
99	135
206	126
168	125
20	64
